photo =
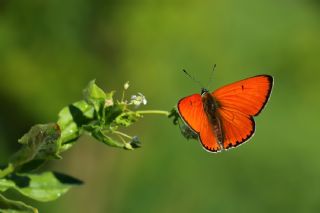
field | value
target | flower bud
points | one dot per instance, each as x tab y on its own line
126	85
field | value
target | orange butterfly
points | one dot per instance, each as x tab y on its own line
223	119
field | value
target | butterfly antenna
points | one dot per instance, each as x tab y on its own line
210	79
195	80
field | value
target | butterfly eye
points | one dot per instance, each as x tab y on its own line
204	91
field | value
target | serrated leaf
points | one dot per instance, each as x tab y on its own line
41	142
12	206
44	187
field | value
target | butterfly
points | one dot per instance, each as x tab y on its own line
223	119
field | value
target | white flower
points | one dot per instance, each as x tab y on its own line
139	99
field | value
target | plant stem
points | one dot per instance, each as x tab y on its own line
122	98
121	138
160	112
6	171
121	133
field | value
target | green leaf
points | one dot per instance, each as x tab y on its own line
69	132
67	116
127	118
6	184
71	118
12	206
100	134
112	112
96	97
92	91
41	142
66	146
44	187
32	165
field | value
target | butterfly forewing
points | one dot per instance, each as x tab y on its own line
191	110
248	96
238	103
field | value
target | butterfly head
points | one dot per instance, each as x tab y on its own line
204	91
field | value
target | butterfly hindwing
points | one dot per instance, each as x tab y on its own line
237	127
208	138
238	103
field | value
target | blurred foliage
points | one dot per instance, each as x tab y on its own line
49	50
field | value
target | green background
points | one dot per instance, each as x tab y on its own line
49	50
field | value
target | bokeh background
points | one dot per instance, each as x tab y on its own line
49	50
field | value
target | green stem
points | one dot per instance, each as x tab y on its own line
121	133
122	98
6	171
160	112
121	138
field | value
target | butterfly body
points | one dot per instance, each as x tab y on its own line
224	118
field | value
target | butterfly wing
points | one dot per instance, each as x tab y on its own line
238	103
191	111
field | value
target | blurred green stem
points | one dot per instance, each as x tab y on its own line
122	134
122	98
6	171
160	112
